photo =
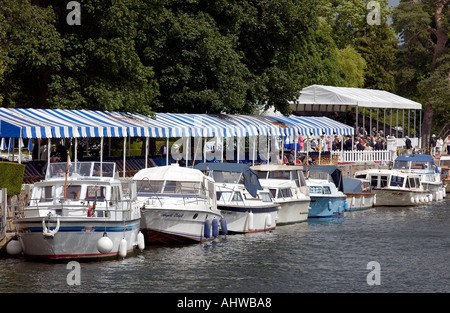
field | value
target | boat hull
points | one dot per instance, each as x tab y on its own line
400	198
171	226
239	220
295	211
360	201
326	207
75	239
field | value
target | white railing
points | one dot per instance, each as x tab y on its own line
365	156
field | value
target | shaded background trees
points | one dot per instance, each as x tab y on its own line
218	56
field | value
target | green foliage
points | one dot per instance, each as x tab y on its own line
11	176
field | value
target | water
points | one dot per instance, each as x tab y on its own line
411	246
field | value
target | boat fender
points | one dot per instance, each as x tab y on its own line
421	199
47	232
268	220
14	247
430	196
417	199
374	199
363	200
207	229
215	228
345	206
141	241
412	199
104	244
329	205
250	221
223	226
353	201
437	196
123	248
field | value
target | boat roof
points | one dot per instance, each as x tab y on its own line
386	172
415	158
251	181
172	172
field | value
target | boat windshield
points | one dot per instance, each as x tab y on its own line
228	177
147	188
319	175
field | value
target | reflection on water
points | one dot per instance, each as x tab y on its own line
324	255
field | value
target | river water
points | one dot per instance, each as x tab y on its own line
409	247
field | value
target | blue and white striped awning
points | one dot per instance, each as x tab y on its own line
61	123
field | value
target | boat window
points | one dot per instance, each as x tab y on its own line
46	193
315	189
373	181
363	176
279	175
400	165
95	193
261	174
237	196
397	181
211	189
326	190
273	192
265	196
72	192
383	181
319	175
285	193
301	178
417	180
419	165
224	195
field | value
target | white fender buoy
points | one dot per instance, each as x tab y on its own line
363	200
374	199
14	247
417	199
123	248
412	199
104	244
250	221
421	199
353	201
436	196
430	196
268	220
141	241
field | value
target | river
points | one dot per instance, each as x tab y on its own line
376	250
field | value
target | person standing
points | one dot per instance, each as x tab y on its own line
408	145
439	145
448	144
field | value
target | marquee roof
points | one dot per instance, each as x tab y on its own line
345	96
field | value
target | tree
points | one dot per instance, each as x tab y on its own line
425	30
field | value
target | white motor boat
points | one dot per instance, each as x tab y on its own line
178	205
79	211
288	188
424	166
444	165
246	206
395	188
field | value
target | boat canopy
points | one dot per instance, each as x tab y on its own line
351	185
334	172
170	173
251	181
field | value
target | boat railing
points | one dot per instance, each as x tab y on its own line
81	170
114	210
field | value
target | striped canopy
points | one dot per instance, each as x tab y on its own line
62	123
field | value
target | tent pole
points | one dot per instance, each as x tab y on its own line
101	156
76	152
20	148
420	127
167	150
124	155
384	122
146	152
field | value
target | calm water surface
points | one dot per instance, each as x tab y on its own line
412	246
